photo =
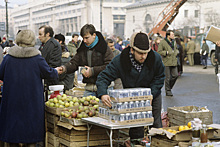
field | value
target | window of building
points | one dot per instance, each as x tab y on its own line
186	13
196	13
133	19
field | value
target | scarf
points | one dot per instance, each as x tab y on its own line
136	65
171	44
94	43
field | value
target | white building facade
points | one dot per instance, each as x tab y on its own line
3	21
194	16
68	16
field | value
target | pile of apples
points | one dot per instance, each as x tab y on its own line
64	101
81	112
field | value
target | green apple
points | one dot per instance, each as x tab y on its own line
67	104
57	105
61	106
71	102
71	105
75	99
97	99
51	104
88	98
96	107
59	97
55	100
64	95
47	103
51	100
76	104
62	113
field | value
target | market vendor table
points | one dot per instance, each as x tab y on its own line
105	124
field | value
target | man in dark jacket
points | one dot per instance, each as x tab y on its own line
50	49
137	66
93	54
204	53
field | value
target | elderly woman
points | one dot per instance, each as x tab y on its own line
22	106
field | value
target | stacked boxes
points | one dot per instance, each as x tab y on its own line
71	136
52	130
130	106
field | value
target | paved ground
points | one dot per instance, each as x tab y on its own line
198	87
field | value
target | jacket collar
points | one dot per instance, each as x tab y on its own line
23	52
101	46
126	62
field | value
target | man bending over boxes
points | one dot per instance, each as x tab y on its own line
137	66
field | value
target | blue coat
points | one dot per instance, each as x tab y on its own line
22	106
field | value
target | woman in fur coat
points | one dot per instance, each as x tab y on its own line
22	105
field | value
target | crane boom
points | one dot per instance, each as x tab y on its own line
168	14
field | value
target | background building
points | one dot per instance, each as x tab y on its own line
194	16
68	16
3	21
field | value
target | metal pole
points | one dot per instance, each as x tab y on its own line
100	15
6	6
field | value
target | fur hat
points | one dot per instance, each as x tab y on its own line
140	42
25	38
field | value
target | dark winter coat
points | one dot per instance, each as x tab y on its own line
205	48
22	105
66	79
118	47
52	53
151	76
101	56
217	53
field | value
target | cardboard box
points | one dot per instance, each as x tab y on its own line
72	136
131	110
185	135
213	34
72	121
75	92
135	98
135	121
182	115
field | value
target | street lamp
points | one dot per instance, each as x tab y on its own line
6	6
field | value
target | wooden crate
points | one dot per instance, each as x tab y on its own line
51	123
182	115
52	140
160	141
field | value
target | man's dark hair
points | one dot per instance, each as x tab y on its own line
168	33
75	35
189	38
108	40
60	37
88	28
204	40
47	29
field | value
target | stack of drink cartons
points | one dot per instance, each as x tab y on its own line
130	106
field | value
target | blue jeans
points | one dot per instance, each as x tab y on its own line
204	57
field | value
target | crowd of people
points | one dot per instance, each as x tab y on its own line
105	65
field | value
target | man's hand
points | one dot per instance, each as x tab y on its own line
106	100
88	72
60	69
218	43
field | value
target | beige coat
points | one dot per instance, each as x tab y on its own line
191	46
